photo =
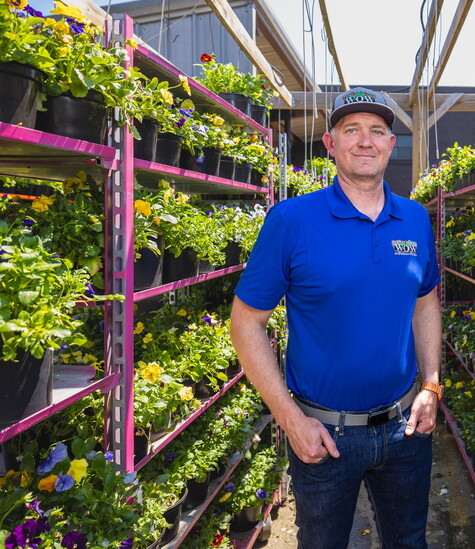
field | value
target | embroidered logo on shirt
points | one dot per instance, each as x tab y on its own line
404	247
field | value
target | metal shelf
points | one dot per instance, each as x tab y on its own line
152	292
25	152
452	422
70	384
148	174
189	519
164	441
151	63
460	358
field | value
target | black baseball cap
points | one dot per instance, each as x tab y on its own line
361	100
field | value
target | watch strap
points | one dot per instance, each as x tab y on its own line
434	387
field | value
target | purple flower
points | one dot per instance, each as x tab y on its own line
36	507
186	112
28	222
200	159
127	543
261	494
75	26
169	458
63	483
89	292
109	456
33	12
230	487
129	478
295	169
16	539
74	540
180	122
101	326
207	319
58	454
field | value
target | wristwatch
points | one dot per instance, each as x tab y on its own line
439	389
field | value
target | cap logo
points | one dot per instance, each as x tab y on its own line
358	97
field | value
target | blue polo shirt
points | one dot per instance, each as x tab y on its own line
351	285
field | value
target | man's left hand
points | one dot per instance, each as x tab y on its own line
423	413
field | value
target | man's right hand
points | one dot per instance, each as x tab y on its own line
310	440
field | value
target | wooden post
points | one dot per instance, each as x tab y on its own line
419	146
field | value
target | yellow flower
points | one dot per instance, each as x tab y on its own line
167	96
24	479
142	207
47	483
464	342
452	314
460	235
89	358
64	51
459	384
217	121
471	236
186	86
264	179
254	137
151	372
185	393
17	4
450	223
469	394
157	220
187	104
226	496
192	326
148	338
78	469
68	11
182	199
448	383
181	312
132	43
61	27
167	195
39	206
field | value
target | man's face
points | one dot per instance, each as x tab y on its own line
361	144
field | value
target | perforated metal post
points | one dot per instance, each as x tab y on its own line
282	166
119	279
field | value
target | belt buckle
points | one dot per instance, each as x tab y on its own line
378	418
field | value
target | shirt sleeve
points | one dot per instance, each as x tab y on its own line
266	277
431	276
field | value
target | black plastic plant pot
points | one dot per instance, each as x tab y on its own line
246	519
82	118
173	515
226	167
148	270
168	149
25	387
20	87
205	161
146	147
259	114
242	172
239	101
177	268
256	178
197	493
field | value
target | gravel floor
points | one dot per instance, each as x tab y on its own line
451	522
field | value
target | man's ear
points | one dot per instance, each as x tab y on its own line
328	142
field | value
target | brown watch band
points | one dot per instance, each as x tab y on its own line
439	389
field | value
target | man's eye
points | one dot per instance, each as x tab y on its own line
351	130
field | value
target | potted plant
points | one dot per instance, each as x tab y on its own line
73	497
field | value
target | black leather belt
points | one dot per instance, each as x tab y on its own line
355	419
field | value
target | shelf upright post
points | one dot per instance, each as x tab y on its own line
119	321
282	165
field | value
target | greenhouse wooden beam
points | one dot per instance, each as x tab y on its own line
465	104
233	25
419	150
423	53
91	11
331	44
402	115
454	31
445	107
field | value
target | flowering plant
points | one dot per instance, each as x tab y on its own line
459	241
460	394
208	532
74	499
255	481
300	181
220	77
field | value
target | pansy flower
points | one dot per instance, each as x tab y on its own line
63	482
58	454
74	540
206	58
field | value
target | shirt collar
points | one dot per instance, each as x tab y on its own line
341	206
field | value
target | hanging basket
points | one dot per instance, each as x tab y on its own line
26	387
239	101
20	87
83	118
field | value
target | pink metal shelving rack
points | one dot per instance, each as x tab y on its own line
30	153
464	196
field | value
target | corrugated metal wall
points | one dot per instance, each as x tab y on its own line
186	36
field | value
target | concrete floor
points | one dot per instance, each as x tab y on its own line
451	523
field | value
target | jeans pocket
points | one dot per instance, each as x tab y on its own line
422	435
333	433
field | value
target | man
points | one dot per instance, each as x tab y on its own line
358	268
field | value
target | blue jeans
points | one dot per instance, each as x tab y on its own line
396	470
